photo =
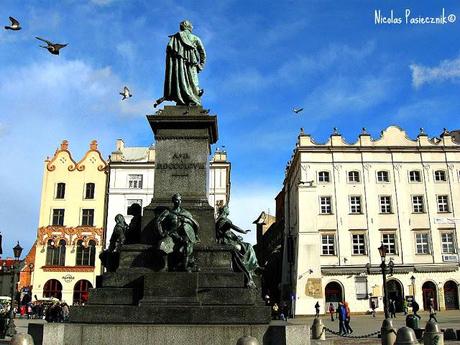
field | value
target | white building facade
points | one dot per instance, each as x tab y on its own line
344	200
132	179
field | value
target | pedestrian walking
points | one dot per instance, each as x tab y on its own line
392	308
317	309
373	306
404	305
432	311
275	310
342	315
331	311
348	328
415	309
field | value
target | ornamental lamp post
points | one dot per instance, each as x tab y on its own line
412	280
383	253
11	330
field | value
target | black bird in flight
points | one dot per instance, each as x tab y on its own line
14	25
125	93
297	110
53	48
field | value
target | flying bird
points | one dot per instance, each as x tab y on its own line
14	25
53	48
125	93
297	110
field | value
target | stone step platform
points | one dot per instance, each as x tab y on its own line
170	314
228	296
135	278
125	296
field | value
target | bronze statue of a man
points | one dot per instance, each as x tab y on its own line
185	58
177	226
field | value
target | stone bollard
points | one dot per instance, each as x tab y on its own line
317	329
406	336
388	333
432	335
247	340
22	339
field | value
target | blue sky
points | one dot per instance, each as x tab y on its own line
264	58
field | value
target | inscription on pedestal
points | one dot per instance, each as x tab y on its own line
180	165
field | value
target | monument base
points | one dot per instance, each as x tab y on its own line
133	334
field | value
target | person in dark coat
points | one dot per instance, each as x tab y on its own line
317	309
342	316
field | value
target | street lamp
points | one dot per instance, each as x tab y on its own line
11	330
383	250
412	280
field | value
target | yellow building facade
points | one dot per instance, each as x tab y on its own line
71	223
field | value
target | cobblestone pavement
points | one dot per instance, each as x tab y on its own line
361	324
365	324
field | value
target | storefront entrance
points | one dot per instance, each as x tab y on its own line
395	293
429	293
451	295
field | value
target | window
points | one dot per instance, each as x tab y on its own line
383	176
447	243
327	244
81	292
389	241
355	204
86	254
415	176
417	204
135	181
421	243
385	204
324	176
359	244
89	191
55	254
58	216
60	190
87	217
325	205
443	203
353	176
440	176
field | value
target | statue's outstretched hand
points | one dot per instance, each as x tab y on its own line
246	231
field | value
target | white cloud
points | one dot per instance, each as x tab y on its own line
246	204
127	50
447	70
346	95
49	102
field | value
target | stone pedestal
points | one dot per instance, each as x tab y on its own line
183	137
130	334
143	291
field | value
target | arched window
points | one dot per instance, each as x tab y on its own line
86	255
52	288
60	190
89	190
80	291
55	254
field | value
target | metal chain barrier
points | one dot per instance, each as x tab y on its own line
351	336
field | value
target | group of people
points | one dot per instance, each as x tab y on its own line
51	312
342	313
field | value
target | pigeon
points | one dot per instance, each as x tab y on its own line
297	110
53	48
14	25
125	93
